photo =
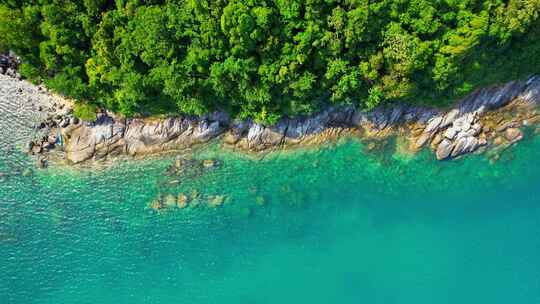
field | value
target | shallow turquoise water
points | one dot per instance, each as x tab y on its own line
338	225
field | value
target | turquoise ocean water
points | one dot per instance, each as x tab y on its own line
328	225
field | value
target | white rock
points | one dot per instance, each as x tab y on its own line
444	149
464	145
449	118
450	133
433	124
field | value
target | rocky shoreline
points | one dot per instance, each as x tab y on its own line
9	64
489	119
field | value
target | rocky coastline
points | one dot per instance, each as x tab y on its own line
489	119
9	64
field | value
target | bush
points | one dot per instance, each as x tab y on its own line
85	111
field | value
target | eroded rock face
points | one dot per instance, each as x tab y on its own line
465	144
462	128
460	136
450	134
444	149
108	135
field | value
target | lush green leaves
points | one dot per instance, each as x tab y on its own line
262	59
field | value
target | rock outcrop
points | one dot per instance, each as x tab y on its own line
9	64
111	136
476	121
466	127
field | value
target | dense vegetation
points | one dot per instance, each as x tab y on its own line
267	58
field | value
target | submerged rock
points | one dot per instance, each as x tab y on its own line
216	200
41	163
47	146
170	201
182	201
513	134
195	202
195	193
178	163
260	200
297	199
37	149
464	145
156	204
209	163
27	172
498	141
52	139
245	212
29	146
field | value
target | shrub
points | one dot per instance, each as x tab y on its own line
85	111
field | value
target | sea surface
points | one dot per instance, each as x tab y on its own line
333	224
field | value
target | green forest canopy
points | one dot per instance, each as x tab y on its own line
263	59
